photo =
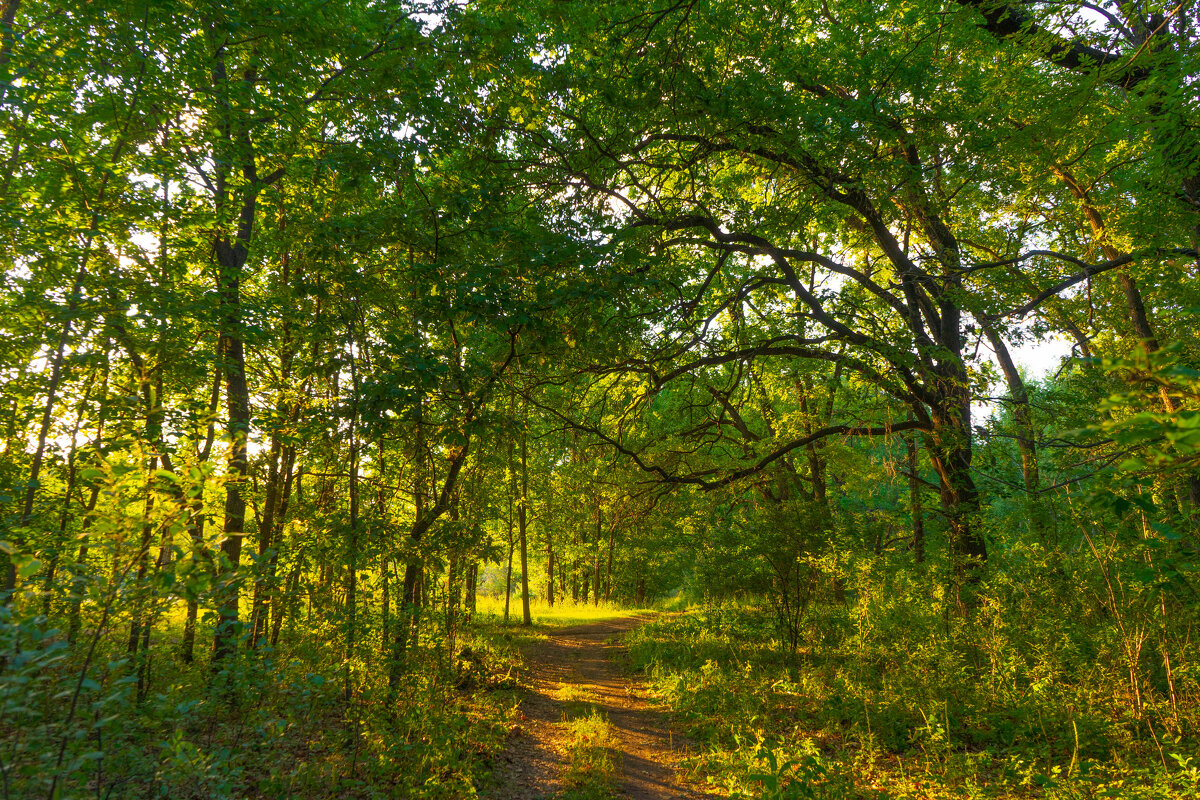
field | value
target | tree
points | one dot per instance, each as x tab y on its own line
829	178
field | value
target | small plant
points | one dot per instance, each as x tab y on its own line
804	777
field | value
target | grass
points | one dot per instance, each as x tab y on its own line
880	705
560	615
591	754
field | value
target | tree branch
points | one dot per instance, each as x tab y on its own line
1088	271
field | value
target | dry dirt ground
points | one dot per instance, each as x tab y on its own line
588	658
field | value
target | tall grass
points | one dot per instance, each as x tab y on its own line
889	696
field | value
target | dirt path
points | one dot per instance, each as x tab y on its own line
584	658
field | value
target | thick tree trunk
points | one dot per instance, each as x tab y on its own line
948	392
951	457
231	255
406	624
237	404
234	148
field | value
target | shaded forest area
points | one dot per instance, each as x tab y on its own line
341	337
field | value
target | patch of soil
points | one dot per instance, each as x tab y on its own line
587	658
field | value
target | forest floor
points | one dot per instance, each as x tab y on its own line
577	674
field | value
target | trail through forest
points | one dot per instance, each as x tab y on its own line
585	660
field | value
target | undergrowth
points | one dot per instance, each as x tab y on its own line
888	697
268	723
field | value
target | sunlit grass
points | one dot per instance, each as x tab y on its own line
577	700
560	614
866	714
591	748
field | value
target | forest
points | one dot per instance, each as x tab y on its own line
388	385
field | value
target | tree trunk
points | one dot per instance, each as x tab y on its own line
406	623
612	533
472	585
596	555
413	578
9	578
385	611
234	147
8	35
522	523
284	604
453	568
951	457
237	402
266	544
231	259
283	503
511	543
352	557
1026	436
917	544
1136	307
140	612
200	553
197	520
549	556
64	517
949	400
